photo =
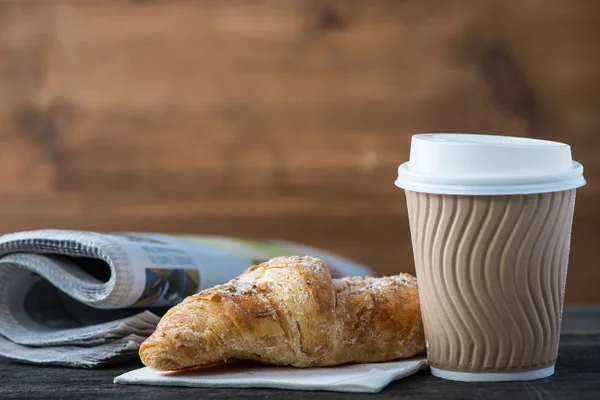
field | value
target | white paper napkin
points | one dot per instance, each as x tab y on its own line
365	378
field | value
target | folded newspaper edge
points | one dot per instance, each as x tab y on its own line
81	299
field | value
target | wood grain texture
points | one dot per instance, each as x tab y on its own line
281	118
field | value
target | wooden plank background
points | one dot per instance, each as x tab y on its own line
281	118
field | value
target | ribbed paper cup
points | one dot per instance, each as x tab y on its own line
491	246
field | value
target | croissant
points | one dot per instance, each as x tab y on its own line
288	311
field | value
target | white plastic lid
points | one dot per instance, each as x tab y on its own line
469	164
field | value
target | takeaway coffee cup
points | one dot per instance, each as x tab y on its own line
490	220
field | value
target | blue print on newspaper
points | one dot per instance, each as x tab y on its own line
170	279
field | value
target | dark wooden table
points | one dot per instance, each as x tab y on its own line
577	377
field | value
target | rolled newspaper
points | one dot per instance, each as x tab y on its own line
85	299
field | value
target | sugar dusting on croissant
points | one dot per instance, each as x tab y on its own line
288	311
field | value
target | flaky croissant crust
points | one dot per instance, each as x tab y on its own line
288	311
